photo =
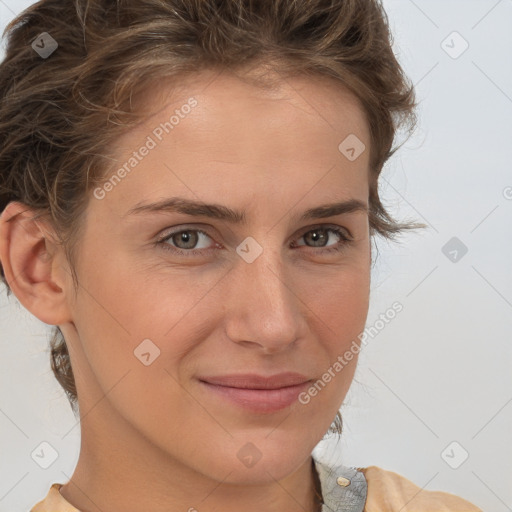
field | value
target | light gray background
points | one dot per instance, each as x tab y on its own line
440	371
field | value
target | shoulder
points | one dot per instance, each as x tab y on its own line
388	491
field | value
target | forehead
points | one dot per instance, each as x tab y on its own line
242	136
253	96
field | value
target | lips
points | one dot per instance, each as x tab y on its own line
253	381
256	393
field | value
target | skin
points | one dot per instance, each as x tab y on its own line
152	437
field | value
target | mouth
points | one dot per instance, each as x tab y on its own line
255	393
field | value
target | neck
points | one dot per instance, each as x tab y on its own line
126	472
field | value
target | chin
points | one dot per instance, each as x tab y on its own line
258	459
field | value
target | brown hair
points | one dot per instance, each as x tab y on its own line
60	115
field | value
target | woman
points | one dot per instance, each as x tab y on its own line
189	194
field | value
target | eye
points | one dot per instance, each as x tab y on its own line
184	241
320	235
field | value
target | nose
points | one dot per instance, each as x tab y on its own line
263	310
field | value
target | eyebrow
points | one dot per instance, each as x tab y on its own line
216	211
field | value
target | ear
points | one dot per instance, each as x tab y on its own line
33	264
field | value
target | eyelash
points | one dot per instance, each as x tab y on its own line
162	242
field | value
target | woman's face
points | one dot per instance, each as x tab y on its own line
171	297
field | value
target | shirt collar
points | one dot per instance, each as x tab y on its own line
344	489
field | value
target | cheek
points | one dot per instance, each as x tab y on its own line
126	353
341	297
140	321
341	308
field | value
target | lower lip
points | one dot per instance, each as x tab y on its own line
259	400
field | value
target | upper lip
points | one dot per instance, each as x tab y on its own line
254	381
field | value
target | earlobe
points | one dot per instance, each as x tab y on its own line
30	268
